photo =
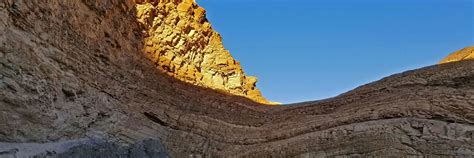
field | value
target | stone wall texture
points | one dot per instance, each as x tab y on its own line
77	80
181	42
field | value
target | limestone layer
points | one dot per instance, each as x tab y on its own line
463	54
181	42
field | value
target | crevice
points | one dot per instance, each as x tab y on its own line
155	119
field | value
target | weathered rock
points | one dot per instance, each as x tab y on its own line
74	70
463	54
143	149
183	44
89	148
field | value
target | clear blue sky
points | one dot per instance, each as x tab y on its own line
303	50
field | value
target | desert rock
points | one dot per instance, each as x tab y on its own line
78	75
182	43
463	54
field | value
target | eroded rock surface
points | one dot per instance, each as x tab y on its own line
181	42
84	148
76	70
463	54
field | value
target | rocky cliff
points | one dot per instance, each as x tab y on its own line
76	80
181	42
463	54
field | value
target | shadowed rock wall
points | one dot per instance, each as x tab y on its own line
77	70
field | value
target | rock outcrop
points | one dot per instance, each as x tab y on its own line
74	73
181	42
463	54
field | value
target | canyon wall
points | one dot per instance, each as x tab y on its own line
77	80
181	42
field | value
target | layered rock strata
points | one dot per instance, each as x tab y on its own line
75	71
181	42
463	54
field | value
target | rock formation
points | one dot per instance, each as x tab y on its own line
181	42
463	54
76	76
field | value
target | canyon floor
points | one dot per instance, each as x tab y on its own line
75	81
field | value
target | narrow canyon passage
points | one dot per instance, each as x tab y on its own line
78	74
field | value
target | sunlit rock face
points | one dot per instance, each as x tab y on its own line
463	54
74	82
181	42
